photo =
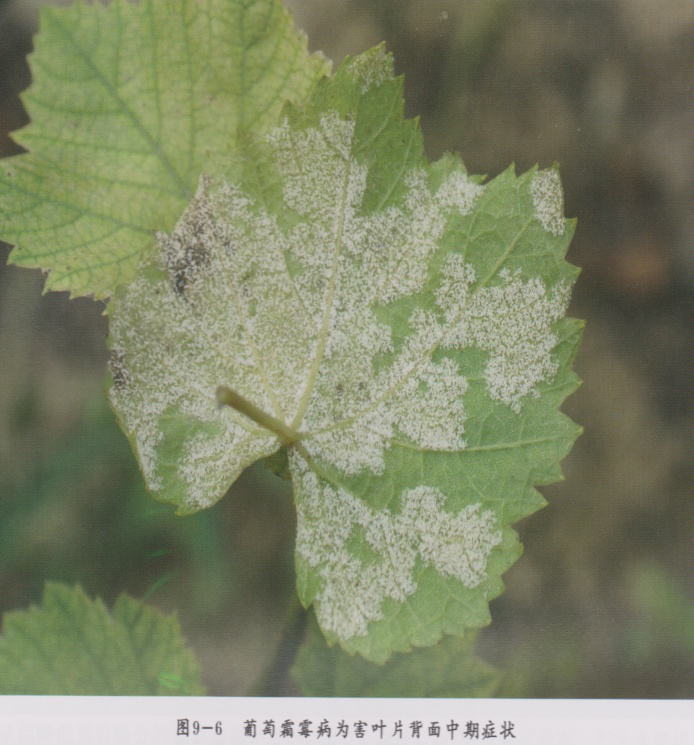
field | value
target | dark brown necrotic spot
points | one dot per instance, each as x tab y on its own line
118	372
185	261
179	281
187	251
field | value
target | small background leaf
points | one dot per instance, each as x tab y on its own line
448	670
74	646
130	103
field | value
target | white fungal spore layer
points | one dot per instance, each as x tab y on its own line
351	262
353	588
512	321
371	69
206	321
548	200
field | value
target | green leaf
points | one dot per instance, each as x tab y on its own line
72	645
397	327
130	103
448	670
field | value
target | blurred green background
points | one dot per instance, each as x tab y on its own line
602	602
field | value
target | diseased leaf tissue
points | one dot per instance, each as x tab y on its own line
339	293
396	327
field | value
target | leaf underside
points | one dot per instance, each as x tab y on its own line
395	327
130	104
71	645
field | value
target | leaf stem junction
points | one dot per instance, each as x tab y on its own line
228	397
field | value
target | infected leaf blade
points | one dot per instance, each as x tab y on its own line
402	321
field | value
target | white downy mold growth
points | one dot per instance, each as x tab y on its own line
371	69
511	321
548	200
353	590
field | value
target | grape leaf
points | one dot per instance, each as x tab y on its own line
130	103
448	670
397	327
72	645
